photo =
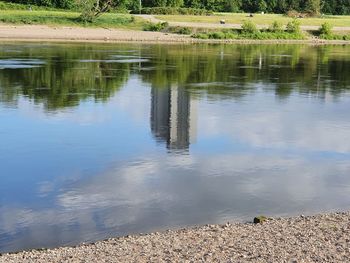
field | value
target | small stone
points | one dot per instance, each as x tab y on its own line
259	219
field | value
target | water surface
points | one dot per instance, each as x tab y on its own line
105	140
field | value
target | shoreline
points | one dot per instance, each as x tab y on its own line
44	33
322	238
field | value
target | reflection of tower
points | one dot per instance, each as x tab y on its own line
173	117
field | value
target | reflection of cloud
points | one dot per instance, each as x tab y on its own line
131	185
158	192
13	218
82	115
108	192
125	60
132	99
20	63
44	188
262	123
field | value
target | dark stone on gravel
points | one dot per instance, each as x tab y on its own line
259	219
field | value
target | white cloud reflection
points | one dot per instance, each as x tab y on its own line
295	124
165	191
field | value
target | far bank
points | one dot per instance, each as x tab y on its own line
83	34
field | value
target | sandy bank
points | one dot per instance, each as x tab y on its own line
320	238
81	34
43	32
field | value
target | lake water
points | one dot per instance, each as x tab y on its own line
102	140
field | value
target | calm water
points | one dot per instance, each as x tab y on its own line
106	140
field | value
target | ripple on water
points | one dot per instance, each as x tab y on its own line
132	60
20	63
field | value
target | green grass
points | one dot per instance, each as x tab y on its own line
66	18
234	34
335	36
14	6
258	19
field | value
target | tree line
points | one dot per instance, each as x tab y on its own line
340	7
336	7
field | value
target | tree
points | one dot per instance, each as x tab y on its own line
194	3
175	3
232	6
313	7
262	5
91	9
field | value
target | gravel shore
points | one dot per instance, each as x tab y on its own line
320	238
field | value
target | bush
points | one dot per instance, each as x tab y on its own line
87	12
296	14
184	31
173	11
325	29
276	27
258	35
156	27
294	27
201	36
231	35
217	35
292	13
180	30
249	27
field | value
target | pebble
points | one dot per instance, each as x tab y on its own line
321	238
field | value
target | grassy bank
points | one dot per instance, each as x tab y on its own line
259	19
66	18
251	30
15	6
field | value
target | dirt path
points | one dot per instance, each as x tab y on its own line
153	19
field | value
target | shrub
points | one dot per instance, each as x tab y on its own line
248	27
276	27
294	27
296	14
180	30
217	35
293	14
231	35
201	36
325	29
184	31
226	34
155	27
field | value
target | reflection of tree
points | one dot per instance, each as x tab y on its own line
225	71
216	71
64	80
